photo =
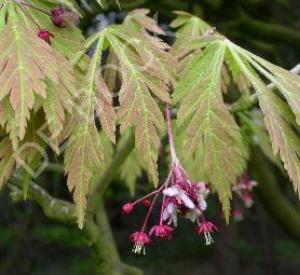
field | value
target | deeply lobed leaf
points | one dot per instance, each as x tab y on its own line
210	129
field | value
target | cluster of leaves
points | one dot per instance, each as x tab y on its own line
55	94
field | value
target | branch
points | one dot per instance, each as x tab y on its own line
54	209
271	195
63	211
97	230
103	247
240	106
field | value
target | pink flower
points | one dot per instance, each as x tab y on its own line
45	35
206	228
201	191
140	240
248	199
178	193
238	215
244	184
127	208
162	231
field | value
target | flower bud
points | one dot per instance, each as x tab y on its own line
127	208
57	17
147	203
45	35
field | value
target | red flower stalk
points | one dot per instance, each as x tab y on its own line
45	35
140	240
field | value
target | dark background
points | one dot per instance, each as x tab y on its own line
31	244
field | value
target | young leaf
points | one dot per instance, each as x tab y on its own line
26	64
137	107
254	123
278	117
132	168
84	153
7	121
211	129
188	26
141	18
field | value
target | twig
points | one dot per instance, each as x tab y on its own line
54	209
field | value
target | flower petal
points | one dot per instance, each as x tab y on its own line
166	214
186	201
202	203
171	191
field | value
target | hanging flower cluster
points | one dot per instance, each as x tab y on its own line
243	189
178	196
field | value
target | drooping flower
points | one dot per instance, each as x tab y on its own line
245	183
178	196
140	240
247	197
45	35
177	192
201	190
243	189
206	228
238	215
127	208
161	231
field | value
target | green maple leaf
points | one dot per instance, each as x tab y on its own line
145	67
84	153
137	107
280	116
210	129
188	26
132	167
27	65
